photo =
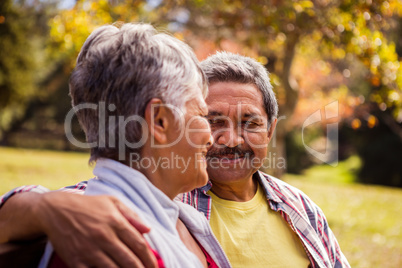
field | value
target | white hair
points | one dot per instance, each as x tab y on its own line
127	67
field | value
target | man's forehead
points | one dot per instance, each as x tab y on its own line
233	89
229	98
242	109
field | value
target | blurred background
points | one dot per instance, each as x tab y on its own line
339	60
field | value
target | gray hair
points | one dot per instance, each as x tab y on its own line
229	67
127	67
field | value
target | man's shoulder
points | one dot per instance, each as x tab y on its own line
279	186
297	205
279	190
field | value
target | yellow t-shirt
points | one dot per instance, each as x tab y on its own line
253	235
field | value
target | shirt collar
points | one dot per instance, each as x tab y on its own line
269	186
206	187
264	180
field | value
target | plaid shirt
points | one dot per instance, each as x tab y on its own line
303	216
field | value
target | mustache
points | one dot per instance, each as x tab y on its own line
229	151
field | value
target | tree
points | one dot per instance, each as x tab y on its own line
23	28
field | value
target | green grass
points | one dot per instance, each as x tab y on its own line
344	172
48	168
365	219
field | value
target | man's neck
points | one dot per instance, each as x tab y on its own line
239	191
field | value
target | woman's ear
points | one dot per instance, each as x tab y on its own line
156	116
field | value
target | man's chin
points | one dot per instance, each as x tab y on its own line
230	169
229	175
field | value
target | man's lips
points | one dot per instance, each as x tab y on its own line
231	156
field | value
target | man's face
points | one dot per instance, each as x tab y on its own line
239	125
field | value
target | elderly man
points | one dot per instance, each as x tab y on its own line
259	220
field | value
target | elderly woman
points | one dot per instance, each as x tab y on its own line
139	97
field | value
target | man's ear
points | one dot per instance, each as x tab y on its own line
272	129
156	116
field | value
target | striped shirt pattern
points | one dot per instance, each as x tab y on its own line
78	188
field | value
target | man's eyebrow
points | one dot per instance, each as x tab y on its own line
253	115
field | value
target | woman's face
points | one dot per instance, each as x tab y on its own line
192	139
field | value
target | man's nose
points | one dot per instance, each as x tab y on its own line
230	137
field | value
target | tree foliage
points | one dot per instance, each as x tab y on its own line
341	31
350	39
16	76
314	49
70	28
23	28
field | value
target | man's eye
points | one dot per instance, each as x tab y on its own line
249	124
